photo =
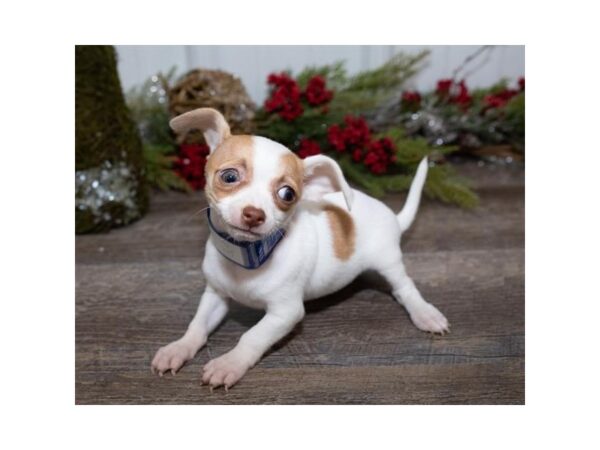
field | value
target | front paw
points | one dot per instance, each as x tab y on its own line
172	357
226	370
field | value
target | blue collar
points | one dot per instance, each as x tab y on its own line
250	255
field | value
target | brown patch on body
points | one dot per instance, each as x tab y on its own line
342	231
235	152
292	175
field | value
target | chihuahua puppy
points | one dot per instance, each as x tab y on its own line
282	231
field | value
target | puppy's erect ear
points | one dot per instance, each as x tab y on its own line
323	175
210	121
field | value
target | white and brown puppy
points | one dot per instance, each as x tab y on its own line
283	231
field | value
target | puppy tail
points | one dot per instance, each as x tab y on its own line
406	216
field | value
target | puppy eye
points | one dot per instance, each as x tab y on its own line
286	194
230	176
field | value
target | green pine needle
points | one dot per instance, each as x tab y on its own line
444	185
159	169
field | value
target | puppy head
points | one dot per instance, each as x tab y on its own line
253	184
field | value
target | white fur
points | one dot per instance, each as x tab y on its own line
302	267
409	211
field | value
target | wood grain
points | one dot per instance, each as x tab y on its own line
138	287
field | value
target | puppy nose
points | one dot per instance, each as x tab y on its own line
252	216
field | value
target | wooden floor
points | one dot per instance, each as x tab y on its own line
138	287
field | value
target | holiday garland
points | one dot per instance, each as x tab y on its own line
309	114
482	122
376	131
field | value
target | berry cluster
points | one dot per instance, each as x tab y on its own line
354	137
411	100
378	156
190	164
316	94
285	97
452	92
499	99
354	133
308	147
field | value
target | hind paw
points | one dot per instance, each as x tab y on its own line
428	318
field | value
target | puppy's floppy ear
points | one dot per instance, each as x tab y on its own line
208	120
323	175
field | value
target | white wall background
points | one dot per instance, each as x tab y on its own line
253	63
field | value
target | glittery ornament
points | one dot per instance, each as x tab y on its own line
106	196
431	126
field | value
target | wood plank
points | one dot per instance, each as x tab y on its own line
408	384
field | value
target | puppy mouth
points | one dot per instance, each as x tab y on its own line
246	233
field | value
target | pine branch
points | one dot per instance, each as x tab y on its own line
444	185
366	90
390	75
335	74
410	151
158	164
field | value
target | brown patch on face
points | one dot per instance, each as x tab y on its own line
234	153
292	175
342	231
